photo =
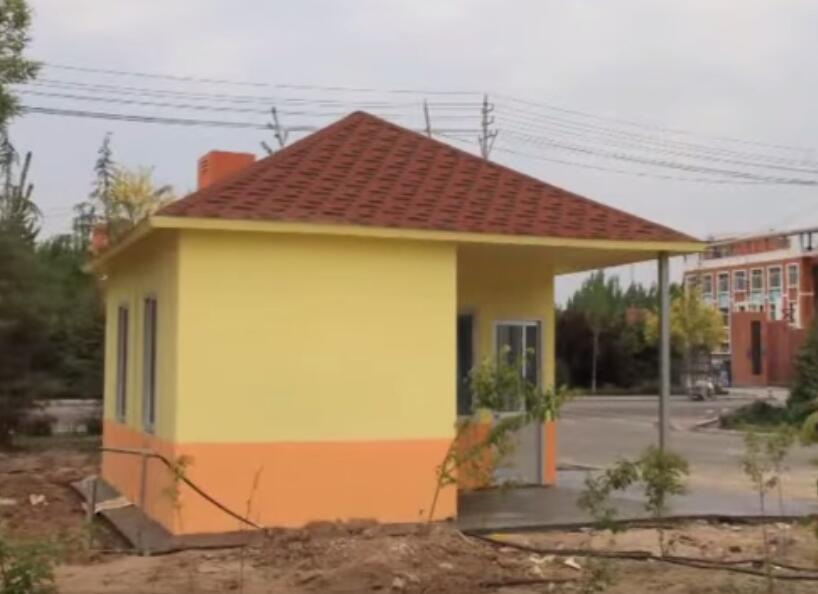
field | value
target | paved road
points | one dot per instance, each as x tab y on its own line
595	431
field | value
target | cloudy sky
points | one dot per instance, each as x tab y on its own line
742	69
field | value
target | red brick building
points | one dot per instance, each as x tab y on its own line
764	287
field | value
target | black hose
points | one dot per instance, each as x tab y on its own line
187	481
648	556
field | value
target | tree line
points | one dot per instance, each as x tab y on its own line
607	335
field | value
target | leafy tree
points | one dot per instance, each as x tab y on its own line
663	474
695	327
135	196
600	302
15	68
76	328
803	399
121	198
22	328
18	212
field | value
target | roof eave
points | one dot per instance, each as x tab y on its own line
674	247
99	263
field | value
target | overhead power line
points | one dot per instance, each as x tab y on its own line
192	106
643	174
642	125
558	125
602	149
527	128
149	119
212	81
663	163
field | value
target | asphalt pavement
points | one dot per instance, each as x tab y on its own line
595	431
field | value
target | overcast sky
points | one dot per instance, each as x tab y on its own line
740	68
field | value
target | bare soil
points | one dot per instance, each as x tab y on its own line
367	557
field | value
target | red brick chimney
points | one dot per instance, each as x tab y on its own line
216	165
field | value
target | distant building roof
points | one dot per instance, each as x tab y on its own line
363	170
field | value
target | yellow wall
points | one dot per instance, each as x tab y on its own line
148	270
309	338
507	284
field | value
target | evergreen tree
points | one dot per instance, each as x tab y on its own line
23	332
803	399
600	302
15	68
18	212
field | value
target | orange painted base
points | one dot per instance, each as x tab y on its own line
549	455
287	484
124	471
476	462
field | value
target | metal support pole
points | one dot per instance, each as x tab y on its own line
143	497
91	510
664	349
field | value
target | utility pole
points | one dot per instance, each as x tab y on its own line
487	136
664	350
428	118
279	132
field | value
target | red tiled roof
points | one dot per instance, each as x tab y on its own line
363	170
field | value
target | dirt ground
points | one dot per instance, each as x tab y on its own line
366	557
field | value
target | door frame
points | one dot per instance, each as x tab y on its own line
474	331
525	323
539	433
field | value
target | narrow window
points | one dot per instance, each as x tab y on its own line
757	289
774	286
707	285
149	366
692	282
792	276
740	280
723	286
121	363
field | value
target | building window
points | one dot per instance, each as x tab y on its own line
757	287
774	280
793	276
707	285
692	282
121	363
149	366
740	280
522	340
723	286
774	285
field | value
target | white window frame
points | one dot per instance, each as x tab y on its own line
797	284
761	276
780	270
149	361
709	293
744	288
538	347
719	277
773	301
693	280
122	355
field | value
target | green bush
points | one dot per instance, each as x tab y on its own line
803	399
27	568
756	414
